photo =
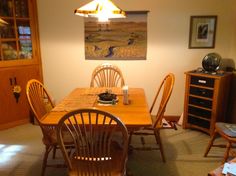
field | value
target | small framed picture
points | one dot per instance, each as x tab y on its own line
202	31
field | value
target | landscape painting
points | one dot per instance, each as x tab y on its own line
123	39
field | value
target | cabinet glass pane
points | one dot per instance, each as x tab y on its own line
21	8
6	8
9	51
25	49
25	44
7	30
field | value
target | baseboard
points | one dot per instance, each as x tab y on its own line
173	118
13	124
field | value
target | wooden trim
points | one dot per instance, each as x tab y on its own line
13	124
172	118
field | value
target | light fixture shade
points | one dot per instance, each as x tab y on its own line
101	9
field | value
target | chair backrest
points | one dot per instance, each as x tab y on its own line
38	98
107	75
92	132
162	96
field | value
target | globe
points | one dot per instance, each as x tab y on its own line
211	62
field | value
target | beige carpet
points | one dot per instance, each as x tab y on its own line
21	153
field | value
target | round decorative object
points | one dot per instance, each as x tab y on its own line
211	62
107	96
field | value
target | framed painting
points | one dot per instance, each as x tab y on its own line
118	39
202	31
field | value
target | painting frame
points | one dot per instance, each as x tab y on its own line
118	39
202	33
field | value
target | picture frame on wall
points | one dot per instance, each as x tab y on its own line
118	39
202	32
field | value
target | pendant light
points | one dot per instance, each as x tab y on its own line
101	9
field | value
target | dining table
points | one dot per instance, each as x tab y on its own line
134	114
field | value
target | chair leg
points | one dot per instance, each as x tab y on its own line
130	138
174	125
45	158
158	140
130	148
54	152
210	143
226	155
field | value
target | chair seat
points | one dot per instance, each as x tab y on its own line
226	128
228	132
111	166
51	137
95	169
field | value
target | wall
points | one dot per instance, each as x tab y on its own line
62	44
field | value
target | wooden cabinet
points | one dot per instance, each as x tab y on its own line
206	99
14	112
19	59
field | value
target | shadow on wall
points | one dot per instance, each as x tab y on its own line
229	65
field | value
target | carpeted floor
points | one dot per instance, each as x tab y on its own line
21	153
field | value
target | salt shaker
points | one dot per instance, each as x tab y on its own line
125	95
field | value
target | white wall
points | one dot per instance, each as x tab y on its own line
62	44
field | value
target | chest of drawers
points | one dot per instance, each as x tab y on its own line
206	99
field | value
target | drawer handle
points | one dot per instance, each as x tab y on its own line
202	81
203	92
201	102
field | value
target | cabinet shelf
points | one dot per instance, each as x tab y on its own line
199	117
8	39
197	96
199	128
200	107
7	18
209	88
206	99
14	18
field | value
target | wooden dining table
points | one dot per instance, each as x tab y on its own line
134	115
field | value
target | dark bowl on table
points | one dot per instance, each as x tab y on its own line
107	96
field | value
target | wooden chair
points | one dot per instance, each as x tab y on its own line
41	103
96	152
107	75
228	132
162	96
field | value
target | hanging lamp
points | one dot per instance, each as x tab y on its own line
101	9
